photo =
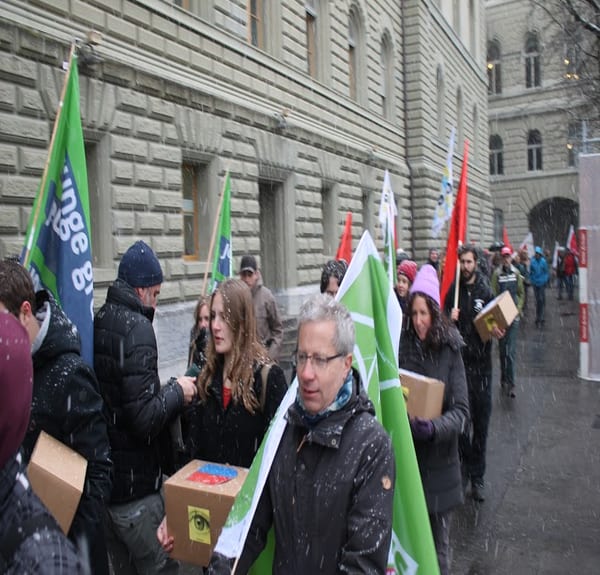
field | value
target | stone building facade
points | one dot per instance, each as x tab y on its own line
536	121
305	103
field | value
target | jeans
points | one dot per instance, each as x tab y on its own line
569	285
508	352
474	440
540	303
131	537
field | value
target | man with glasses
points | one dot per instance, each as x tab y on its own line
330	489
507	277
268	322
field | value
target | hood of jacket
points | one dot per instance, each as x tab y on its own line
57	335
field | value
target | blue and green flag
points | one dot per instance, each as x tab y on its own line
222	266
58	247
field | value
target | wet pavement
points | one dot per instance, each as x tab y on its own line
542	511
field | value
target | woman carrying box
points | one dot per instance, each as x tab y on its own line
431	346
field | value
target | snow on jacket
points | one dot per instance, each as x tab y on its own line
268	323
438	459
232	435
67	405
46	551
139	409
331	488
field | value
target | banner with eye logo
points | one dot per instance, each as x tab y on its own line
199	524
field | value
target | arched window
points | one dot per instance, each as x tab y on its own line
494	68
356	54
533	75
439	81
534	151
496	155
387	77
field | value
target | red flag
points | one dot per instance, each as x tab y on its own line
344	251
505	239
458	228
572	241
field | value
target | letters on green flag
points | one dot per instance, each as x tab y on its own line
58	247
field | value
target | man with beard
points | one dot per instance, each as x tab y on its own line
474	293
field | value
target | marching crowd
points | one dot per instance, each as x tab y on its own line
329	493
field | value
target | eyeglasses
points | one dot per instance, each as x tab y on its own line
318	362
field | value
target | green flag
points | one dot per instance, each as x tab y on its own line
366	292
58	247
222	266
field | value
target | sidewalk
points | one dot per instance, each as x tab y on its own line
542	514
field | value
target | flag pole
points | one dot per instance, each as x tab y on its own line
213	237
457	278
50	148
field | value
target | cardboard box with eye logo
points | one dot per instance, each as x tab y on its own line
198	499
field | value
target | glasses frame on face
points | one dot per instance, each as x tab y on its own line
318	363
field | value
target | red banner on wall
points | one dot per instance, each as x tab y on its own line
583	323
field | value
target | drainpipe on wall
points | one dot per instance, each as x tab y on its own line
405	122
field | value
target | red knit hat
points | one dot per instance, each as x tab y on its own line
16	384
408	268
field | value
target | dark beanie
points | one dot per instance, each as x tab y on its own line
16	384
139	266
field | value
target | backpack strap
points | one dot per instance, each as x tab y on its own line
19	532
264	374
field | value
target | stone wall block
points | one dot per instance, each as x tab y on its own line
8	158
9	219
8	97
29	102
147	129
40	48
132	101
161	155
18	189
132	198
161	109
173	223
136	14
121	172
173	178
165	201
20	129
32	161
85	12
174	268
11	246
124	148
149	222
16	69
175	51
123	222
119	27
150	41
122	123
145	175
165	246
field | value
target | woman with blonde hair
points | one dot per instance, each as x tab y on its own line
239	389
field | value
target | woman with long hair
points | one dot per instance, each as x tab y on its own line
199	334
239	389
431	346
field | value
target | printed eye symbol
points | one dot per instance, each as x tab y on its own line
199	521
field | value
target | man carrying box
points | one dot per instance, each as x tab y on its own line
330	489
506	277
473	295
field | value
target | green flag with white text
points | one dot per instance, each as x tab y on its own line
221	262
368	296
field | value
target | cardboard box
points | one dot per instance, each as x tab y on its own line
425	395
198	499
500	312
57	475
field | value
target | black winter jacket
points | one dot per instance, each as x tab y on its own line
438	459
67	405
232	435
477	354
328	495
46	551
139	410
